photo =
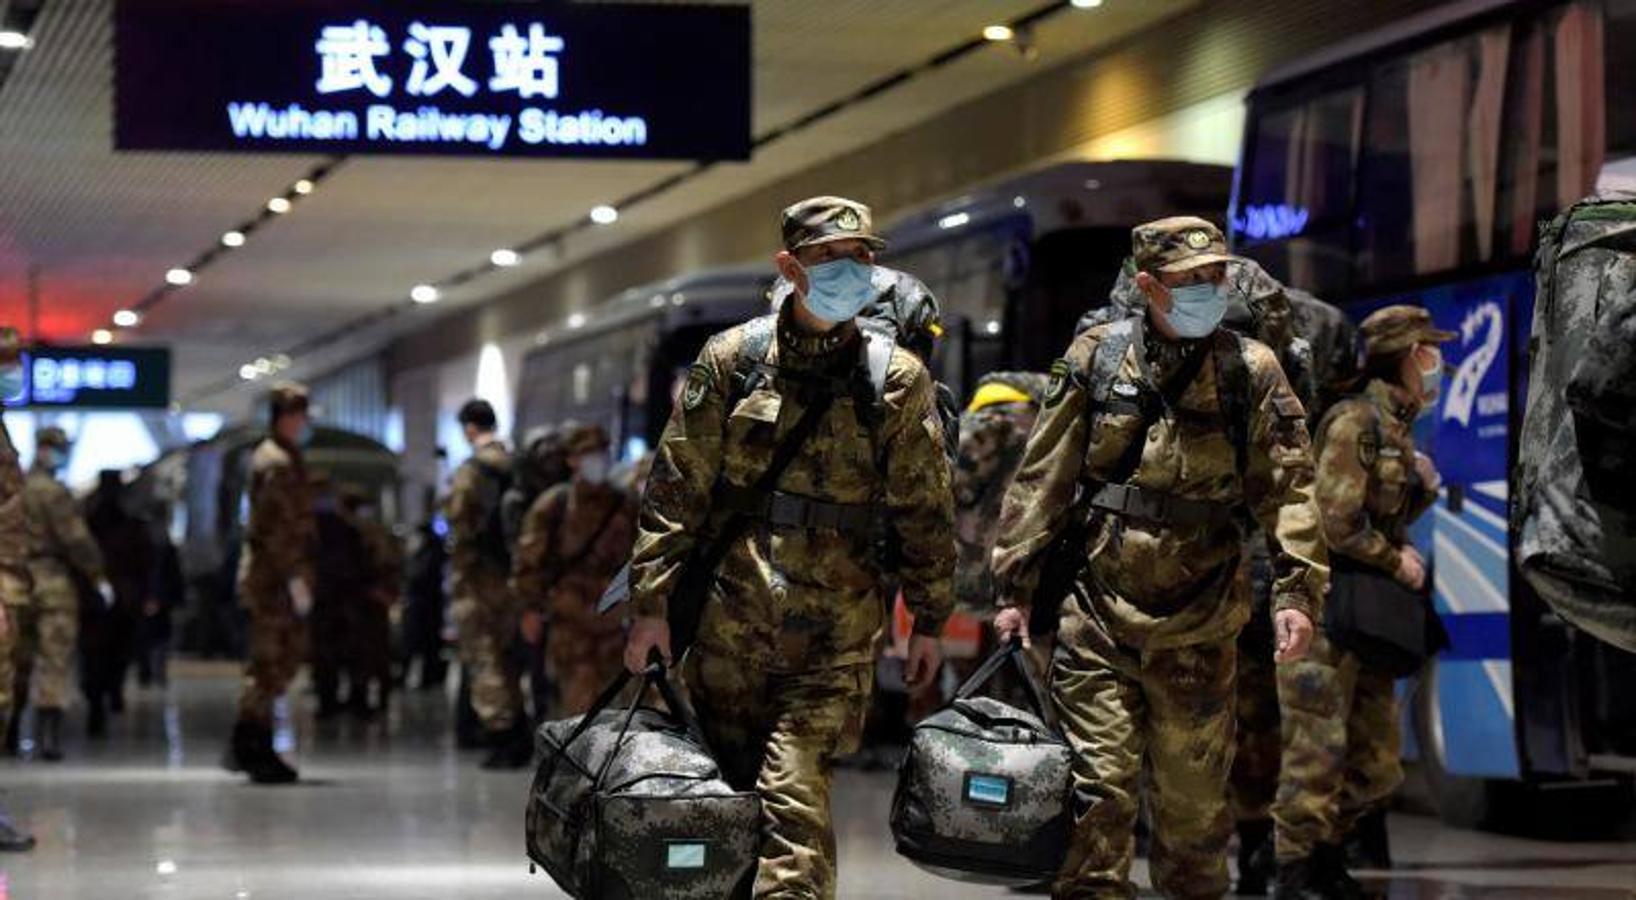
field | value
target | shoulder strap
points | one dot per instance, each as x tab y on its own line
878	359
1106	361
596	535
1233	394
753	348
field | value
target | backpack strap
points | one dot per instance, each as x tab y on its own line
750	366
1233	394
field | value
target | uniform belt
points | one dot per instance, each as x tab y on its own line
1156	506
796	511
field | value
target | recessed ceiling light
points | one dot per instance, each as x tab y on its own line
303	187
263	365
102	336
179	277
993	326
1085	4
999	33
281	361
279	205
247	372
577	320
953	221
604	214
14	40
127	318
504	258
233	239
424	293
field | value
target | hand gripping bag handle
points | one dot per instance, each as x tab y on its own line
1011	652
654	676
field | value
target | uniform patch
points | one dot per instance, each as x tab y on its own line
1198	240
1368	450
848	220
1059	383
698	387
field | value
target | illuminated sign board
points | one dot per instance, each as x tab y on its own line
94	378
606	81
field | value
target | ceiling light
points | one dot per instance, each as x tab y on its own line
127	318
247	372
504	258
280	361
1019	201
233	239
424	293
954	221
993	326
102	336
179	277
577	320
278	205
999	33
14	40
303	187
263	366
1085	4
604	214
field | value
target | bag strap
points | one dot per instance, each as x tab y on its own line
590	543
1233	394
654	676
1012	652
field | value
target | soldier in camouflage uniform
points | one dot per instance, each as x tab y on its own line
784	657
1340	730
1144	419
275	582
485	611
15	580
575	538
63	560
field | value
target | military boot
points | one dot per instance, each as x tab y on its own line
50	721
1337	881
1300	880
1368	846
1255	859
240	747
264	765
513	748
14	839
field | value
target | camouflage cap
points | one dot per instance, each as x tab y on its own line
52	436
287	397
820	220
1177	244
11	346
586	439
1398	328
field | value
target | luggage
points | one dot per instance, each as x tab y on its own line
983	794
1387	626
628	804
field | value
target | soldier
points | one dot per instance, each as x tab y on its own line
485	612
574	540
1171	429
790	591
63	560
369	669
274	582
1340	728
15	580
107	635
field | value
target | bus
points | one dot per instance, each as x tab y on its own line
1414	165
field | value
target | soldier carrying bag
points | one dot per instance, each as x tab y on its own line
983	794
628	804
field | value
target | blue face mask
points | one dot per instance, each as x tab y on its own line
304	436
48	458
11	382
839	289
1196	309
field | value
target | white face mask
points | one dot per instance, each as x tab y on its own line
592	469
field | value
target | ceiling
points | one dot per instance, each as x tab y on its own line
100	229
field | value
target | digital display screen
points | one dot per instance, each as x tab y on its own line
497	79
94	378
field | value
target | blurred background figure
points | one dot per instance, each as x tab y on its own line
108	632
369	669
425	605
167	590
542	464
14	573
341	575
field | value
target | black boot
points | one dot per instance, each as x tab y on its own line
1368	846
50	722
1300	879
14	733
1339	883
1255	858
12	838
513	748
251	751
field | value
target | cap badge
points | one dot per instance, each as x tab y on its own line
1198	240
848	220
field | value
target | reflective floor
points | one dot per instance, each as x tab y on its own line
391	810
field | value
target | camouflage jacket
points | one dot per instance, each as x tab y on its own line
557	568
60	545
794	599
278	540
1137	566
1368	488
385	558
992	439
476	568
14	577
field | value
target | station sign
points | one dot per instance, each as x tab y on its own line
94	378
495	79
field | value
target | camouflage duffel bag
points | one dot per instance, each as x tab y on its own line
983	794
628	804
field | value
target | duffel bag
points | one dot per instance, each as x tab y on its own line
983	793
628	804
1388	627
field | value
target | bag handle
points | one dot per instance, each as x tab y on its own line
657	677
1012	652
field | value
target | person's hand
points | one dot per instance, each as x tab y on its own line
1293	631
1411	569
300	596
106	592
925	655
648	633
532	627
1012	622
1427	470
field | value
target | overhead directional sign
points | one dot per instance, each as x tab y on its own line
621	81
94	378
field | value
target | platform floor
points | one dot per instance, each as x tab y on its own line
392	810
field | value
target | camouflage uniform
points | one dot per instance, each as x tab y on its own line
372	659
1145	658
60	549
782	665
485	612
993	434
278	546
1340	721
574	540
15	581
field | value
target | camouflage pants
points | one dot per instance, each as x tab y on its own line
584	663
1168	712
485	644
8	663
780	733
277	644
1255	764
1341	748
43	655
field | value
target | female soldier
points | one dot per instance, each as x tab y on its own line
1340	719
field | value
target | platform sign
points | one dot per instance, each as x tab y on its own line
94	378
497	79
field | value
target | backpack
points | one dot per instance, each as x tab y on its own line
1575	509
492	538
538	467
